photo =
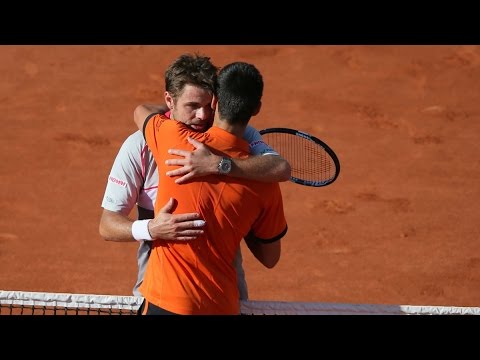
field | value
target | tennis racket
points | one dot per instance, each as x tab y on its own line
312	161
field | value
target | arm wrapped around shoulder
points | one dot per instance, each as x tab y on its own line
267	251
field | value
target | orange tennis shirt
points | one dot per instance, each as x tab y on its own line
198	276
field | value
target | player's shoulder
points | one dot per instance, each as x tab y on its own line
158	118
135	140
164	122
133	146
177	128
250	132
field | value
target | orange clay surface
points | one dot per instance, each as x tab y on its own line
401	224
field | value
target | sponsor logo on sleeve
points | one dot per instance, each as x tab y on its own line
117	181
256	143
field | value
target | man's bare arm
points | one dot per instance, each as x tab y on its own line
267	254
115	226
266	168
141	112
202	161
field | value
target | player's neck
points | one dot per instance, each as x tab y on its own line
236	130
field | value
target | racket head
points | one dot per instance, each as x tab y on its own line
313	162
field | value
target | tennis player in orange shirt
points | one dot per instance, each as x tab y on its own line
198	277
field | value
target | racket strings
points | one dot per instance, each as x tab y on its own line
308	160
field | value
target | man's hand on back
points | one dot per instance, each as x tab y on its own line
167	226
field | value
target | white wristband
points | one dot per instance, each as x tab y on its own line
140	230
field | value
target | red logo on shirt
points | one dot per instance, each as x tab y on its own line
255	143
116	181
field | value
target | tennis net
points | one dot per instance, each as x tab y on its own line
43	303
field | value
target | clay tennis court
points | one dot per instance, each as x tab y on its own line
399	226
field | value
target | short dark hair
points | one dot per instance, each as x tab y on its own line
190	69
239	91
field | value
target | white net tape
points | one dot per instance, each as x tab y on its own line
60	300
306	308
131	303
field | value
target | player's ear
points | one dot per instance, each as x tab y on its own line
169	100
214	102
257	110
